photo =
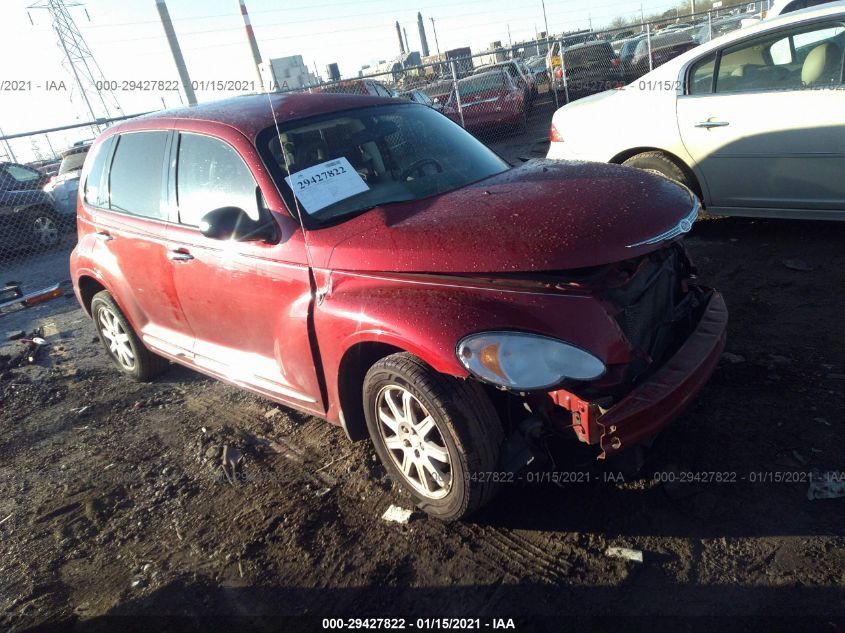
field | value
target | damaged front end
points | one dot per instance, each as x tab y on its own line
675	332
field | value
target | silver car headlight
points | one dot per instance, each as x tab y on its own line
525	362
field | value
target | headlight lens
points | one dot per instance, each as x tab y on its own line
525	362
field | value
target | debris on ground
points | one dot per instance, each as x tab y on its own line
232	458
626	553
734	359
829	485
395	514
797	264
16	335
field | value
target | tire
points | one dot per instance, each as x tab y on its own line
129	354
660	163
459	436
44	227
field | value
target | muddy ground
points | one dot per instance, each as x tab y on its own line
113	503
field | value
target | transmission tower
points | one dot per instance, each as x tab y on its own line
79	61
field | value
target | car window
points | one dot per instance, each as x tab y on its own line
136	174
94	190
482	83
23	174
210	174
701	76
356	160
784	61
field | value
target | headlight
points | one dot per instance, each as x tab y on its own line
525	362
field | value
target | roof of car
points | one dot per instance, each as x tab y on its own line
252	113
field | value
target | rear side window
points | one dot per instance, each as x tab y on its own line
701	76
23	174
136	174
95	192
211	174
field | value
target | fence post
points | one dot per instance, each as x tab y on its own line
648	39
457	94
8	147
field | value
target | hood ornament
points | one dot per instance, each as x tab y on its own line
684	226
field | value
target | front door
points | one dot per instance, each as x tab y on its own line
248	305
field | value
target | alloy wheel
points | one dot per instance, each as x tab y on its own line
414	442
116	338
46	230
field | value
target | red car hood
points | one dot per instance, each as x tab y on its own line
544	215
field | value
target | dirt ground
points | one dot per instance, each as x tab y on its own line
113	502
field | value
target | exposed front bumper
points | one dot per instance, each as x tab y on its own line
655	403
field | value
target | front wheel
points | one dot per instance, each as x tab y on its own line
659	163
438	436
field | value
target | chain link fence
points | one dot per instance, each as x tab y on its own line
505	96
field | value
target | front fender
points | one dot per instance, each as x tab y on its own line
427	315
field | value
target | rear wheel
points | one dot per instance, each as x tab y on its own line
122	345
438	437
44	228
660	163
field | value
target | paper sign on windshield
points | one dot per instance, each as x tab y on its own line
322	185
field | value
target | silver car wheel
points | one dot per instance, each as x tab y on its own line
414	442
46	230
116	338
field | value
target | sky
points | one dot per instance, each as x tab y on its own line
127	40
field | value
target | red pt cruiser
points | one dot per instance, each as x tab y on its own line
370	262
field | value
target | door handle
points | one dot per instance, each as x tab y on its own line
708	124
104	236
179	256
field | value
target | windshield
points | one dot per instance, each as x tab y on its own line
496	80
348	162
73	162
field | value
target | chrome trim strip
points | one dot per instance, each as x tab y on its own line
684	226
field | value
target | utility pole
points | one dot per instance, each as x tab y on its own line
510	41
87	74
176	52
436	43
692	7
253	45
545	19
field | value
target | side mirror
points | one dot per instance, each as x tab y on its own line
232	223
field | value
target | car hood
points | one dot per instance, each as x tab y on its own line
544	215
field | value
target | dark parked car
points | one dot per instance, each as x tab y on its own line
661	48
64	186
488	101
368	261
590	68
27	215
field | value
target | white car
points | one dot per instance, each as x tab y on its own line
753	122
781	7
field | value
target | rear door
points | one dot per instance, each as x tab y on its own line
763	120
130	218
248	303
